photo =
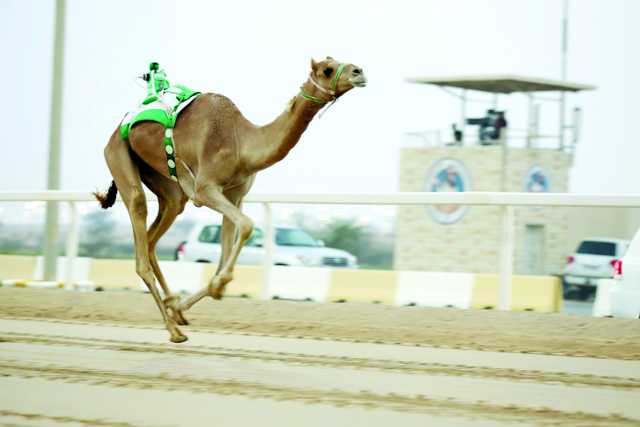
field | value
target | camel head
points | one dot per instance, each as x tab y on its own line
336	78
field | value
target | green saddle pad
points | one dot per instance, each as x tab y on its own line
164	111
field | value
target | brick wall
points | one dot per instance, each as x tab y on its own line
472	244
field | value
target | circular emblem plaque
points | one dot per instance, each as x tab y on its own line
536	180
447	175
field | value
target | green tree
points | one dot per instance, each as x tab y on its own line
343	234
372	249
97	234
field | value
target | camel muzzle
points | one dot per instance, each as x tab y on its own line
358	81
358	78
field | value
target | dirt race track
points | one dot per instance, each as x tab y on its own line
103	359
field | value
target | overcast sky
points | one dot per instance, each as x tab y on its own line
257	53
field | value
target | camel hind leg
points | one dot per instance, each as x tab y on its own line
166	217
127	178
171	202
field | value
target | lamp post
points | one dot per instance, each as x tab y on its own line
55	126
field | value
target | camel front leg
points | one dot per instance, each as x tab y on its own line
227	237
214	198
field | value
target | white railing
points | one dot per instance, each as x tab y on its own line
516	138
506	200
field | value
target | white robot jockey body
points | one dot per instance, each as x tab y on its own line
157	83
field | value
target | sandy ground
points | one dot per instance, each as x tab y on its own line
72	359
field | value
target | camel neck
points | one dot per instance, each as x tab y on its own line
276	139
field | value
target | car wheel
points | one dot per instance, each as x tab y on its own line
567	292
584	293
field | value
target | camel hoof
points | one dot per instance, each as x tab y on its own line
172	304
175	332
217	293
179	338
179	317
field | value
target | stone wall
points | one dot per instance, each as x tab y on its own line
472	244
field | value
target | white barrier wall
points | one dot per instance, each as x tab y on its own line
602	302
300	283
81	268
432	289
181	276
429	289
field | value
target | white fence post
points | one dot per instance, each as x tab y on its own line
269	248
506	257
72	245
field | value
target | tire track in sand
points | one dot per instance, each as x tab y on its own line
65	358
51	420
337	362
336	398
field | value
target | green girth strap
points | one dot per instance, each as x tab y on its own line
169	149
336	78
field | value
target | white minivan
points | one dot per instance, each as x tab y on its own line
625	293
593	260
293	247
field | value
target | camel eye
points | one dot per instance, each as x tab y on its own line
328	71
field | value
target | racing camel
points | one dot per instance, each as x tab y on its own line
217	155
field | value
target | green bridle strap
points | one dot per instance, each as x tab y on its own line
332	92
312	98
336	78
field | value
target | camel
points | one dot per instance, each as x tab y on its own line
218	153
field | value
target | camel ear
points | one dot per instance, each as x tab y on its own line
314	65
329	58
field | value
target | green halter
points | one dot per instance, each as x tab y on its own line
312	98
332	91
334	81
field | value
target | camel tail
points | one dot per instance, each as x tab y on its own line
109	198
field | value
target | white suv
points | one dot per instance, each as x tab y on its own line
594	259
293	247
625	293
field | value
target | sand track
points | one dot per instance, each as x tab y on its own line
71	369
523	332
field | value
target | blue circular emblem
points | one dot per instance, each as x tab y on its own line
536	180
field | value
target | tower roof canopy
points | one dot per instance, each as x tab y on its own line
502	83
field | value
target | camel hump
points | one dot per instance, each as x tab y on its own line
219	103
